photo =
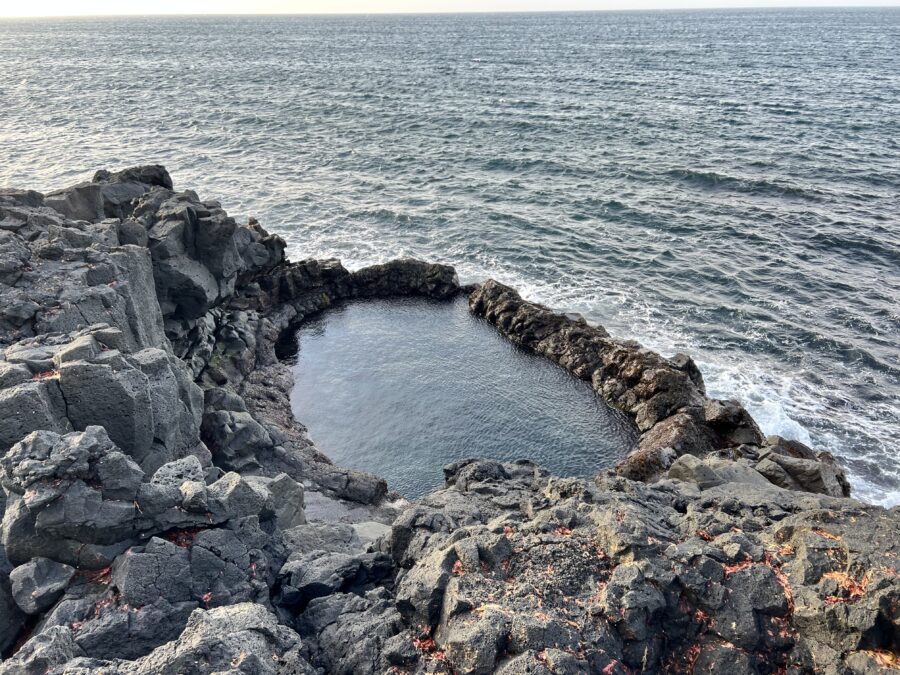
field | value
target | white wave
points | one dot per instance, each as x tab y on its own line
769	393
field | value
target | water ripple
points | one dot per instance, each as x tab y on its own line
726	183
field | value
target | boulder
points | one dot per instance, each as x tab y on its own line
822	476
322	573
44	653
145	400
39	583
242	638
79	202
77	499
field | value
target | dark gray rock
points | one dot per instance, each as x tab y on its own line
242	638
79	202
12	618
822	476
406	277
43	653
121	296
59	507
323	573
348	633
39	583
119	190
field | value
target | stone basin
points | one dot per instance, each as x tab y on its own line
401	387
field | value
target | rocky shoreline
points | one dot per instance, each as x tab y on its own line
164	512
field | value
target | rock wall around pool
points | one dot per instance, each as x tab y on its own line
163	511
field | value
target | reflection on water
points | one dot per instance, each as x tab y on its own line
402	387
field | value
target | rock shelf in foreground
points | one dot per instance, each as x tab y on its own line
163	512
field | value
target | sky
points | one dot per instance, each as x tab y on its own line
18	8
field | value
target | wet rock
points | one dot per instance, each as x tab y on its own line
406	277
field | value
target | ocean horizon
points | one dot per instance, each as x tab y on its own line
724	183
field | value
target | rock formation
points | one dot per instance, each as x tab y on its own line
163	511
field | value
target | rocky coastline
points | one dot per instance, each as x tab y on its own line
163	511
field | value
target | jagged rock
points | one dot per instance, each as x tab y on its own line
146	399
79	202
215	566
731	423
326	537
406	277
177	472
39	583
322	573
691	469
348	633
59	507
43	653
12	618
603	570
711	472
820	476
120	294
230	432
242	638
195	250
286	496
29	406
783	446
66	276
119	190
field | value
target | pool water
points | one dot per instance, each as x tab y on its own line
401	387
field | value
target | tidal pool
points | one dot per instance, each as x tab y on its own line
402	387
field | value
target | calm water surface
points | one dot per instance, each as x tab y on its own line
403	387
725	183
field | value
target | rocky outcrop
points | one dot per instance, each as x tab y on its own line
163	511
665	398
511	570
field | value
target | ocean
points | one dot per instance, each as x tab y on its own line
725	183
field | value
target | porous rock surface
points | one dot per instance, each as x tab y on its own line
163	511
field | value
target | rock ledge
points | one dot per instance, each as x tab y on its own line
163	511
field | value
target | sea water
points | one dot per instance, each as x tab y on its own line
725	183
402	387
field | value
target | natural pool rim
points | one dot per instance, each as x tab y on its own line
556	420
